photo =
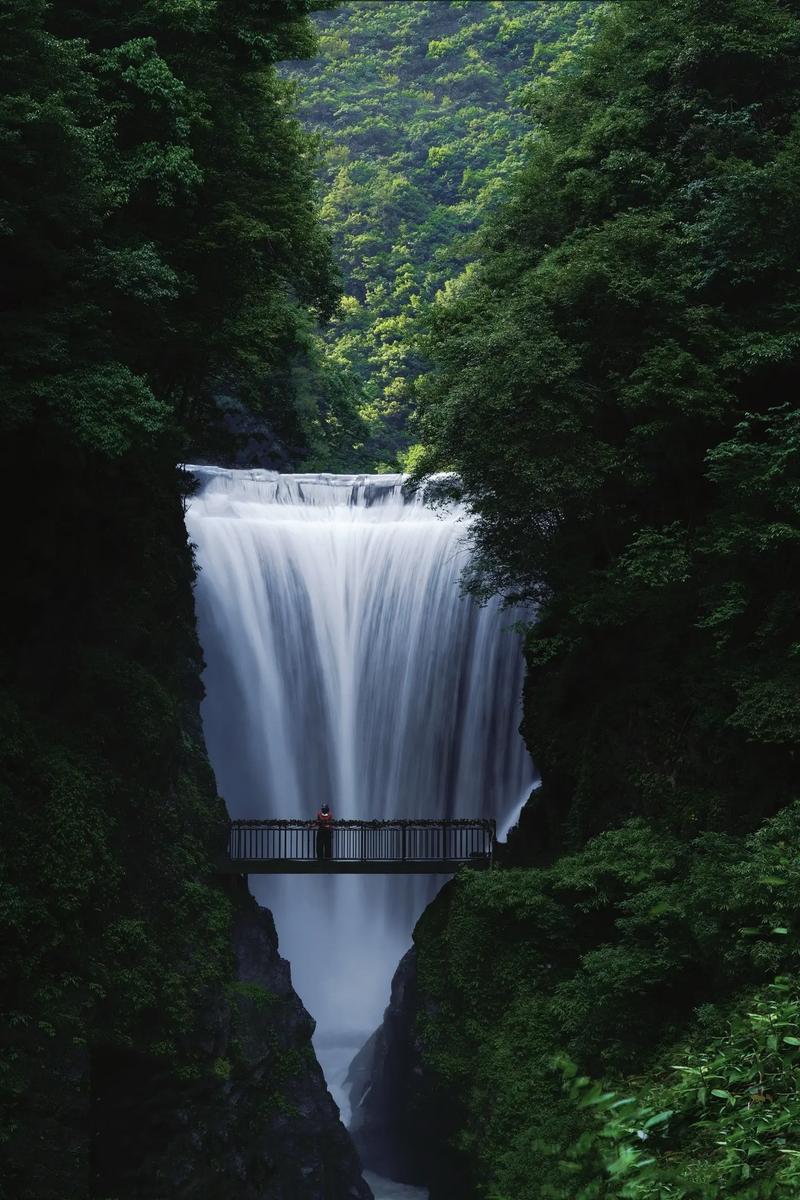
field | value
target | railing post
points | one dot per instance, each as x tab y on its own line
403	842
363	842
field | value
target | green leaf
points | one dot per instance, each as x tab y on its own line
659	1118
603	1098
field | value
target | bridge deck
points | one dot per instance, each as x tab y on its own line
358	847
333	866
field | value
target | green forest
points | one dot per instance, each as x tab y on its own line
419	112
615	385
547	251
159	242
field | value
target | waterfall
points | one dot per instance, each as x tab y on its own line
345	665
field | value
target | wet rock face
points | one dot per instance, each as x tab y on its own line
260	1124
385	1079
405	1119
239	437
282	1138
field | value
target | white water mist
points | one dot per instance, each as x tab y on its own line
344	665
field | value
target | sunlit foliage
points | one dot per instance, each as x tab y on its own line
418	110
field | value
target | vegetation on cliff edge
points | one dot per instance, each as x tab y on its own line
616	385
668	970
160	246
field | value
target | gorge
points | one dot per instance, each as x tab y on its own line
544	248
345	665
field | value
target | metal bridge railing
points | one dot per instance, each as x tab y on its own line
420	841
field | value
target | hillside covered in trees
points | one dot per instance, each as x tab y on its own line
615	384
419	112
568	244
159	247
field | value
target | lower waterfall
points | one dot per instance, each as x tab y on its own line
345	665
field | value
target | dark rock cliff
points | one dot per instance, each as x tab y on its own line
236	436
152	1045
261	1125
402	1121
382	1080
299	1149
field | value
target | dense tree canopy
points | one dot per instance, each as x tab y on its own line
421	125
160	247
663	966
616	385
158	215
610	299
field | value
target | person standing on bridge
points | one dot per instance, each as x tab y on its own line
324	832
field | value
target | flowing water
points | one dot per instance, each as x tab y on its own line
344	665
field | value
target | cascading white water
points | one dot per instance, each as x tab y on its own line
344	664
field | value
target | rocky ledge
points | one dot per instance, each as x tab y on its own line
298	1147
384	1080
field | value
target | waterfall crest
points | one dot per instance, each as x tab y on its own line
344	665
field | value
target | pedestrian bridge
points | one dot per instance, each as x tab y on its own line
415	847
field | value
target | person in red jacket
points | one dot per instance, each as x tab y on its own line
324	832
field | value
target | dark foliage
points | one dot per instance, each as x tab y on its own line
643	959
159	243
616	386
